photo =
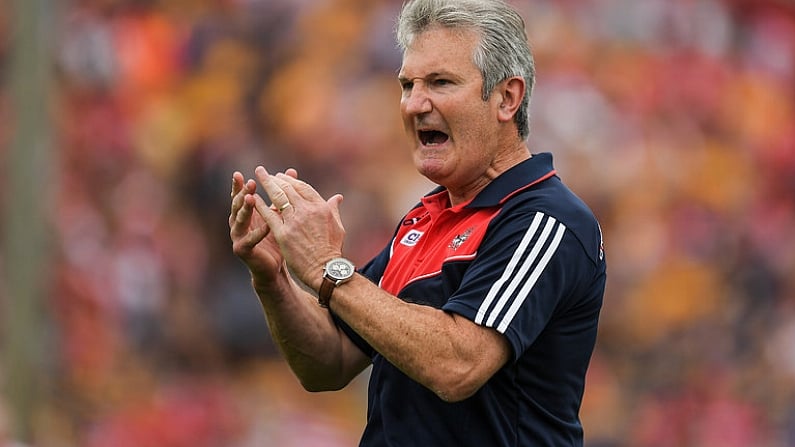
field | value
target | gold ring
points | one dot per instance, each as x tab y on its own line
285	206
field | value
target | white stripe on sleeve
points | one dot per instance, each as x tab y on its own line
506	274
523	280
517	302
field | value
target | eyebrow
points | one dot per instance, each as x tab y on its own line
435	74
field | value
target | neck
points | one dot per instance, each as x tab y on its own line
468	191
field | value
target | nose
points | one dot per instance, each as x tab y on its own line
415	100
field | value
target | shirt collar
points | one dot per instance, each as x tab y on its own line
518	178
535	169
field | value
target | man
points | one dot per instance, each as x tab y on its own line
480	315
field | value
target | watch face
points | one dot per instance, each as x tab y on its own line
339	269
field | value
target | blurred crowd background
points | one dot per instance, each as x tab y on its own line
673	119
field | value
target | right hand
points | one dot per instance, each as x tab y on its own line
252	240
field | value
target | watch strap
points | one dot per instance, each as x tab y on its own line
326	289
336	272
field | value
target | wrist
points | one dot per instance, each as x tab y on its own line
271	285
336	272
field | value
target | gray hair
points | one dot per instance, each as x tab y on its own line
503	51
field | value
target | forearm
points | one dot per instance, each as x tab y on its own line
315	349
444	352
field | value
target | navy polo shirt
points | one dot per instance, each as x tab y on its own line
524	257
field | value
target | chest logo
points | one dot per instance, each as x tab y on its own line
460	239
411	238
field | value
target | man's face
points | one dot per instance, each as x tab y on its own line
454	133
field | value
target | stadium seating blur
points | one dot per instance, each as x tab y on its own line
673	119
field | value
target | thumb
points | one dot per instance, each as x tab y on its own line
272	219
335	201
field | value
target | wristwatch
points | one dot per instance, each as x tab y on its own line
336	272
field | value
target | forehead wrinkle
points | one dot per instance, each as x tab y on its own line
429	41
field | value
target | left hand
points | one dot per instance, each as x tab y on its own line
307	227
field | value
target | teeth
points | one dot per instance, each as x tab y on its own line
432	137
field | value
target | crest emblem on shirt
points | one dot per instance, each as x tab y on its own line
460	239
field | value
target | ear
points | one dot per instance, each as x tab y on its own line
512	92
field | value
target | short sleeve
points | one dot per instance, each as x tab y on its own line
519	277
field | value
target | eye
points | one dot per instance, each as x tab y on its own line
406	85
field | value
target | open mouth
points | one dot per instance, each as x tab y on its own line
432	137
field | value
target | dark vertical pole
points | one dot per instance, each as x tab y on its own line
27	183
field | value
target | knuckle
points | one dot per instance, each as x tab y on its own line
240	249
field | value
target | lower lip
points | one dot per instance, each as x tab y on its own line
434	145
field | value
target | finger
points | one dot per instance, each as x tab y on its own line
297	189
271	217
256	235
335	201
291	196
244	215
275	193
243	246
240	220
291	172
240	189
237	186
237	202
235	183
